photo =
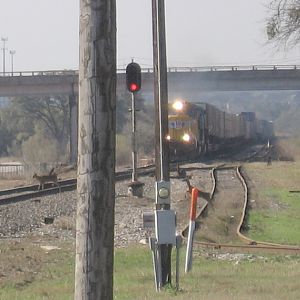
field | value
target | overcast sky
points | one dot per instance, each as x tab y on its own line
45	35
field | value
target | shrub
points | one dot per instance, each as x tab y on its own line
40	149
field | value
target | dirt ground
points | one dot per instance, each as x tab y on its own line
21	260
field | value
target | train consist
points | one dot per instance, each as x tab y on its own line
196	129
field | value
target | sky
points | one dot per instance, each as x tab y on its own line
45	34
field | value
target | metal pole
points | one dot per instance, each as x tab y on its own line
4	49
133	137
161	124
160	90
12	52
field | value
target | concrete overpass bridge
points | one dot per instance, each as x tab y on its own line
185	82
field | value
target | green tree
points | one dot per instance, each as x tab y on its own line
283	24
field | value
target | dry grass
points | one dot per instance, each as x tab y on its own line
280	174
7	183
289	148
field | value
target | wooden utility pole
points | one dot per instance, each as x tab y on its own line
96	151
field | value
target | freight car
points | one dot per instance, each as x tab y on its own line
196	129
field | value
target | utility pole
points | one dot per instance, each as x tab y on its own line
12	53
4	40
96	151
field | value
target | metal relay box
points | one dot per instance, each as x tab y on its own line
165	226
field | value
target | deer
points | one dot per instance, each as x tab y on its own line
42	179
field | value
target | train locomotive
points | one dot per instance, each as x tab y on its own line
196	129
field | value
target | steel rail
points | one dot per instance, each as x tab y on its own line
29	192
250	243
205	206
34	187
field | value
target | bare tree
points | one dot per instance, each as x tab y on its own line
283	25
52	112
96	151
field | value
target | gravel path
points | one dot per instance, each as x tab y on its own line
29	217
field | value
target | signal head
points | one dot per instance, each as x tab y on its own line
133	77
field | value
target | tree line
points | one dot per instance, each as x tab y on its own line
37	129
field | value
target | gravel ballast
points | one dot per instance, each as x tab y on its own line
31	216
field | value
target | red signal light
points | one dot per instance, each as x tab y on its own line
133	87
133	77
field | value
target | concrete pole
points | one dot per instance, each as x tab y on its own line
96	151
73	106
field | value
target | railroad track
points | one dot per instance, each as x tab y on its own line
261	154
14	195
23	193
247	243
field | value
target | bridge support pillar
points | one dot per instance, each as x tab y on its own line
73	104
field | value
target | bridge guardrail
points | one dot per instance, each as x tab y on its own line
150	70
40	73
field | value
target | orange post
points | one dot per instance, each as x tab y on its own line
195	193
189	249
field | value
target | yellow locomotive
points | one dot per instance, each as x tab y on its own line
184	129
199	128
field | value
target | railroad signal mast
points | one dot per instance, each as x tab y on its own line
134	82
164	218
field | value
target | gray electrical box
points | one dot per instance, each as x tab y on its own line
165	226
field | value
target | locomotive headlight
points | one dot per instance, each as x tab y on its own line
168	137
186	137
178	105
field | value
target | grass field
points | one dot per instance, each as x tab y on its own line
28	271
214	276
275	212
279	224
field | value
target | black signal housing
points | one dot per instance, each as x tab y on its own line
133	77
